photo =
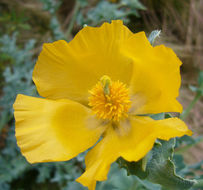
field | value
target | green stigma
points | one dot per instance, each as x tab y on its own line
106	82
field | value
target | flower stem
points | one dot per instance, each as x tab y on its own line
70	27
191	105
186	147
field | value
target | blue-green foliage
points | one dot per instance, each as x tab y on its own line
17	76
160	168
18	80
52	6
107	11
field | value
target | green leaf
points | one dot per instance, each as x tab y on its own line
153	35
158	116
148	185
133	168
160	168
134	4
193	88
164	174
118	180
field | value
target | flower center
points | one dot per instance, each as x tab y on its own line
110	100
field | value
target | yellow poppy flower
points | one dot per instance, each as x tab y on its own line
99	85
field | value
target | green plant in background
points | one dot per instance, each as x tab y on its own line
13	167
17	76
199	93
12	22
108	10
52	6
17	62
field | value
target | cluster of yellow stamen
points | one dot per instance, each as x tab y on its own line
110	100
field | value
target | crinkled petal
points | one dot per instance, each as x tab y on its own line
69	70
99	160
49	130
156	76
145	131
132	146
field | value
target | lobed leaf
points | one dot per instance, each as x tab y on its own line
160	168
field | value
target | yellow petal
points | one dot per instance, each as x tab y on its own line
132	146
69	70
99	159
49	130
156	76
145	131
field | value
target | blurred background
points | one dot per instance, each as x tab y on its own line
26	24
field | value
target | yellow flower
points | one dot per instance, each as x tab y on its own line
97	85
